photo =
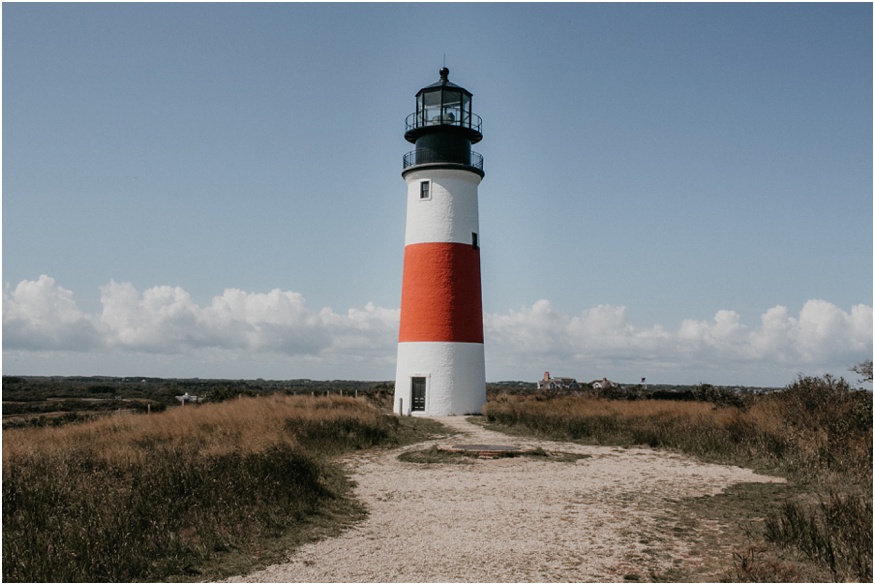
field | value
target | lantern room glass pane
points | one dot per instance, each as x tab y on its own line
466	110
432	107
452	107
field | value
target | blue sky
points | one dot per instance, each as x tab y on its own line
676	191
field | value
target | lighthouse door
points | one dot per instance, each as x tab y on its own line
417	386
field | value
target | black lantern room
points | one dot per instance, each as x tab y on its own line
443	128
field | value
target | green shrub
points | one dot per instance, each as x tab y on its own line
836	532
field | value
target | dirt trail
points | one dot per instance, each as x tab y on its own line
598	519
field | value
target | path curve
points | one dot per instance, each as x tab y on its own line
599	519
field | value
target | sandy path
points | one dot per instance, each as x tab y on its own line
598	519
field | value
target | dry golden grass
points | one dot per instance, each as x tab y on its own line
250	425
134	498
817	432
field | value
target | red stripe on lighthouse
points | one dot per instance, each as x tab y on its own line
440	294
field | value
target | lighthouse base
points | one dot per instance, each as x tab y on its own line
440	379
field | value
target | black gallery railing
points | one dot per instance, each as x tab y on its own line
422	120
424	156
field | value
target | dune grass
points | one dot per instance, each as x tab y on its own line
141	498
817	432
175	495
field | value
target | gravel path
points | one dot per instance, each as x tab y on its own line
598	519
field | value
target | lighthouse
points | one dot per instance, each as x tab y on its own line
441	369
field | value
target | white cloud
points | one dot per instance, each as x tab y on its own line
243	329
165	319
539	330
39	315
601	342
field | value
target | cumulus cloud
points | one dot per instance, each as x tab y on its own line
40	315
823	338
541	330
237	326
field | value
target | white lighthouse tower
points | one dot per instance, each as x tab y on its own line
441	369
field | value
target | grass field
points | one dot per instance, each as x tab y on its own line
175	495
817	432
201	492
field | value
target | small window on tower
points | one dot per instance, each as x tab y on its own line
474	241
425	190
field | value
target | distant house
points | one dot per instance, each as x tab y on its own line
604	384
551	383
189	398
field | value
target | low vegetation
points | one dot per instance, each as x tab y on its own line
140	498
59	400
93	491
817	432
435	454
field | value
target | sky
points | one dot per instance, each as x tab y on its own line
681	192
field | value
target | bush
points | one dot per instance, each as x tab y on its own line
836	532
828	427
75	520
136	498
818	431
